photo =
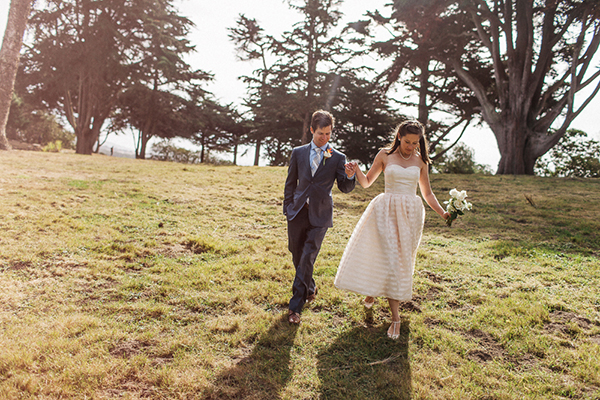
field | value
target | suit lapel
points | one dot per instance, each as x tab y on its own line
305	159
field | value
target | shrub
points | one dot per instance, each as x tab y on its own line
166	151
53	147
461	161
28	125
573	156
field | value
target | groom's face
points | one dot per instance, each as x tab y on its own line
321	136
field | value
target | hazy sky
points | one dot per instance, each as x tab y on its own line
215	53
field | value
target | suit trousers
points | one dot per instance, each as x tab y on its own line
304	242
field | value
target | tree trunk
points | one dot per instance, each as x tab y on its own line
423	92
85	141
145	136
257	152
517	150
235	152
306	137
202	148
142	152
9	60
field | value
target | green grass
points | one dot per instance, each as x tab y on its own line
139	279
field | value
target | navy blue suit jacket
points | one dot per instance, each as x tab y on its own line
301	185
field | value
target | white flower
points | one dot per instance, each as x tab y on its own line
456	205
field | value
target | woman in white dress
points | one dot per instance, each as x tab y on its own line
380	256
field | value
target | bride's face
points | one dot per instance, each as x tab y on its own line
409	142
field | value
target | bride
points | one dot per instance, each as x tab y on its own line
380	256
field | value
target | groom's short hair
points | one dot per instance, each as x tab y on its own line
321	119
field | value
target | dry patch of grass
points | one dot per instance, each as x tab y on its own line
138	279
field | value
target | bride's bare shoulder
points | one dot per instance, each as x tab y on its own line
381	157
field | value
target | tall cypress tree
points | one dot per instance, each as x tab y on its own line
86	54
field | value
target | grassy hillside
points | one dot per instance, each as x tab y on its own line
139	279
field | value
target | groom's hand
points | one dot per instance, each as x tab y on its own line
350	169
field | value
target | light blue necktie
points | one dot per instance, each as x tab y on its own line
316	159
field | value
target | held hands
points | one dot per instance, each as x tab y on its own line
351	168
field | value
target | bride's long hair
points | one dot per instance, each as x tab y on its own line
411	127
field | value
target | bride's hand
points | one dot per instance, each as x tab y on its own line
446	215
350	168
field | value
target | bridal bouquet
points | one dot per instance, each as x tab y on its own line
456	205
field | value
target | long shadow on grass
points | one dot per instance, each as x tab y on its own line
264	372
364	364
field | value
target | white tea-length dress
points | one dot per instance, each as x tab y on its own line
380	256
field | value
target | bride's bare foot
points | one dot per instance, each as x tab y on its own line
369	301
394	330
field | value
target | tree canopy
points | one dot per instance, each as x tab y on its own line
419	32
519	66
86	57
539	54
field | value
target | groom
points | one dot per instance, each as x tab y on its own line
308	205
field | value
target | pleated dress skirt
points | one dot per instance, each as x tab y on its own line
379	259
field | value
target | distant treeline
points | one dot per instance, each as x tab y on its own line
103	67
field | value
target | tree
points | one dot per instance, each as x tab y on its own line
461	160
539	55
307	63
151	112
365	122
213	127
86	54
574	156
252	44
161	75
237	129
421	31
76	64
310	58
9	60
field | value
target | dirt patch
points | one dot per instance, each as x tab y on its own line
129	348
19	265
432	276
158	361
174	250
411	306
561	323
565	317
244	356
454	304
490	348
556	328
479	355
131	389
430	322
432	293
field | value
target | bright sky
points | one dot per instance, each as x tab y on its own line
216	54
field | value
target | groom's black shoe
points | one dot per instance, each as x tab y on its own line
311	297
293	317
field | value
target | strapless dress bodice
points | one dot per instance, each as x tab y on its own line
400	180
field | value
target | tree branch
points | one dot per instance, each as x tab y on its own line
487	108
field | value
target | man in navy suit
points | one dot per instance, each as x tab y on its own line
308	204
